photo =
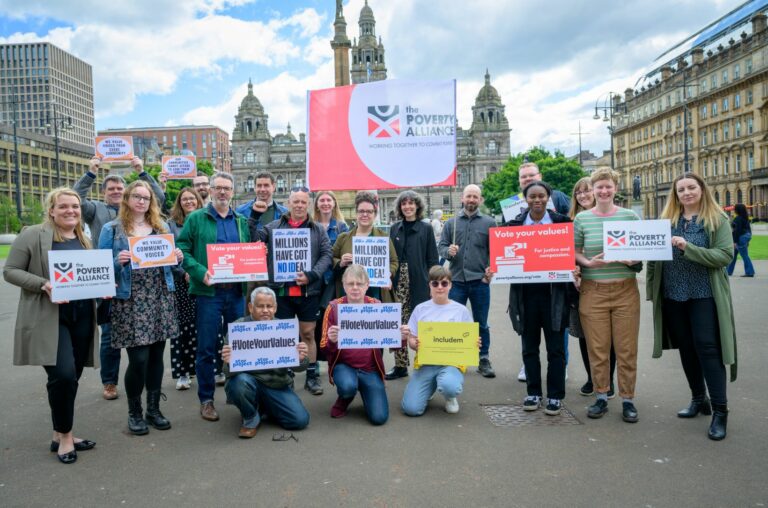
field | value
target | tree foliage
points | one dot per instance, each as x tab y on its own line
558	171
174	186
33	211
9	222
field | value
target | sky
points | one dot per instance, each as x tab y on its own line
167	62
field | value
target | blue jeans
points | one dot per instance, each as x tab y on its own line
449	381
479	295
348	381
742	247
255	400
110	357
227	304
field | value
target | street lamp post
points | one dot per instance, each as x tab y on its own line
14	103
609	109
63	122
655	189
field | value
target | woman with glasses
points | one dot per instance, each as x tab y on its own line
143	310
366	208
416	254
353	370
183	347
427	379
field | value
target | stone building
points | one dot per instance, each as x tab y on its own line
711	94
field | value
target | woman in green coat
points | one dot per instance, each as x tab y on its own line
692	309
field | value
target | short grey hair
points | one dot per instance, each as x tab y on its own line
111	178
263	290
222	174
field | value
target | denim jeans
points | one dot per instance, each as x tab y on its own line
348	381
479	295
742	247
449	381
110	357
255	400
227	304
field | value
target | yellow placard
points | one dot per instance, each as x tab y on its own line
452	344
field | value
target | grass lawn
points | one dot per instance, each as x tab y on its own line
758	247
4	251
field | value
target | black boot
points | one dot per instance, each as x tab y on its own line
699	404
719	422
396	373
154	417
136	423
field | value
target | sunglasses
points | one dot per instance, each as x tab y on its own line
299	189
438	283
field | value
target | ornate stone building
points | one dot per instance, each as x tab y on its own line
713	96
367	52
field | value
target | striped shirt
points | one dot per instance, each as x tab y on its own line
588	235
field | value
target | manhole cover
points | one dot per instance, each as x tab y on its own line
510	415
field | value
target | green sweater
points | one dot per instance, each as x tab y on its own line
588	235
715	258
199	231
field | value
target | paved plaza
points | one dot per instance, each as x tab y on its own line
436	460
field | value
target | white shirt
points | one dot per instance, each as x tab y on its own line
451	312
544	220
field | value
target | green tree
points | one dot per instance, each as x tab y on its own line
173	186
558	171
9	222
33	211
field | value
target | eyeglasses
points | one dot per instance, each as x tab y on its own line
138	198
438	283
583	192
189	200
355	284
299	189
219	188
366	212
283	436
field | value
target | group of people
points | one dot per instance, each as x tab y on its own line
690	294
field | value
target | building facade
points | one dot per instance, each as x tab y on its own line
49	84
206	142
706	110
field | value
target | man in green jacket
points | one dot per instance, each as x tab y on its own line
215	223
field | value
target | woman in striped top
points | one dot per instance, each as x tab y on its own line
609	304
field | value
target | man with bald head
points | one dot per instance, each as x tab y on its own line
464	243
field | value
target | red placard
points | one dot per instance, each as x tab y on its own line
539	253
237	262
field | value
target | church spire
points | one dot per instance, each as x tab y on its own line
340	45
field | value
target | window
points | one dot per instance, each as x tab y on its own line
446	200
679	121
703	114
726	131
714	166
737	71
714	109
298	182
736	100
749	125
714	135
749	97
737	128
725	77
748	66
704	169
750	161
491	148
726	161
738	163
725	104
714	81
703	138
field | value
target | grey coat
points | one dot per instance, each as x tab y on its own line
36	336
472	238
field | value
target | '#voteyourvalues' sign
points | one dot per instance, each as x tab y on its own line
259	345
369	325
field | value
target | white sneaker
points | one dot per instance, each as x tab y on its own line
566	373
220	379
521	375
183	383
452	405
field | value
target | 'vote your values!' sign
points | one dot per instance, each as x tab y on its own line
291	253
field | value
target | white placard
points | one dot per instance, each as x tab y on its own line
364	326
81	274
637	240
291	253
372	252
513	206
261	345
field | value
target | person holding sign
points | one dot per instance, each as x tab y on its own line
691	295
366	208
268	392
143	311
60	336
353	370
540	306
416	251
609	305
299	255
426	379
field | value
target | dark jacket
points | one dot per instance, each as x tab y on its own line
558	291
245	209
739	227
420	256
471	236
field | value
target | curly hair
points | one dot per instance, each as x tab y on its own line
367	197
410	195
152	215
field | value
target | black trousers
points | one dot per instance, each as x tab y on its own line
693	326
75	341
145	368
537	316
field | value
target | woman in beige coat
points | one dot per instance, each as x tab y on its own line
60	336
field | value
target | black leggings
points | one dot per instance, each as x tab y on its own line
75	341
693	328
145	368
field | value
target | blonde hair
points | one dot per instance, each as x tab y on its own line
605	174
50	200
151	216
575	206
710	213
335	213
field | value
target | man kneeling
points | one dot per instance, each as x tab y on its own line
270	392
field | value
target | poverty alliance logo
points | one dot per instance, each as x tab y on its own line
63	272
616	238
383	121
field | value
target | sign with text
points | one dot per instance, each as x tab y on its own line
372	252
385	134
291	253
180	167
637	240
369	325
512	207
81	274
527	254
452	344
152	250
260	345
237	262
114	148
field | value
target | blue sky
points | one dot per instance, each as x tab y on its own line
164	62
